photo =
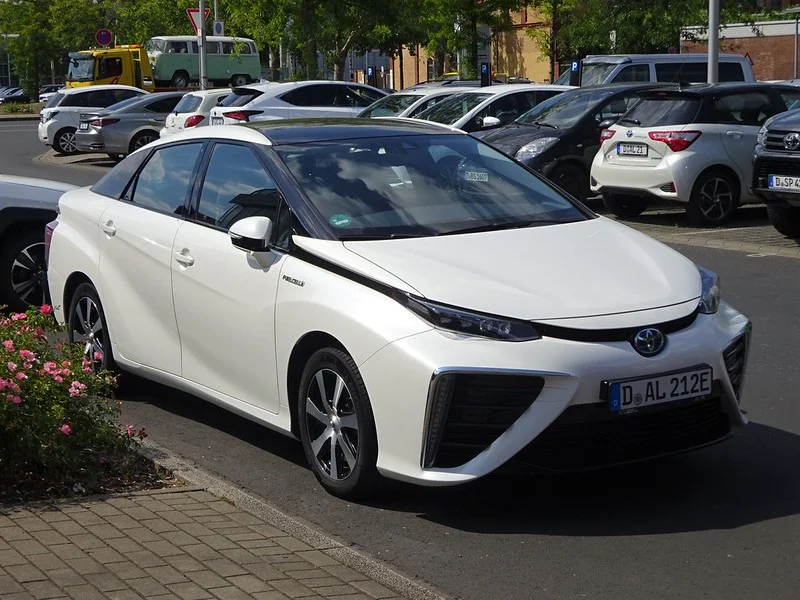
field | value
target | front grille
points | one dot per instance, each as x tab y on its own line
735	357
481	408
589	436
774	141
776	166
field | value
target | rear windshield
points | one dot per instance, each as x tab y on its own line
54	100
657	111
188	104
240	97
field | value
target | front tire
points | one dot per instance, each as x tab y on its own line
714	199
336	425
23	272
64	142
785	219
239	80
86	325
624	206
180	79
141	139
572	180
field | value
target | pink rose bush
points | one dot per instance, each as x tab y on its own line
57	416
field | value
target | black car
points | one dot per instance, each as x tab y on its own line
776	171
14	95
560	136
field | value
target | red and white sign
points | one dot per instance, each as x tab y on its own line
194	17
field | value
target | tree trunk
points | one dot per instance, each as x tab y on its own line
401	68
309	54
555	25
338	66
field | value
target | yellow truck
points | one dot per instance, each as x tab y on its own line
125	65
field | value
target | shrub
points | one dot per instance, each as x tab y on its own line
57	415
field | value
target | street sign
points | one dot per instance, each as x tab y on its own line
103	37
218	28
194	17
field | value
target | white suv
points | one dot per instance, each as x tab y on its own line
693	145
58	120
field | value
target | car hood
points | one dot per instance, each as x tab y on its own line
512	137
789	119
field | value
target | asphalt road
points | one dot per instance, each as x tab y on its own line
719	523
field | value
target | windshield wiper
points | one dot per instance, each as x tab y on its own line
627	120
542	124
503	225
362	237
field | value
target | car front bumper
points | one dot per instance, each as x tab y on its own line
771	163
555	386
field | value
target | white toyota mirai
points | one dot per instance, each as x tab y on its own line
405	300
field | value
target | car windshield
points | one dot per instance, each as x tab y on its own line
391	105
451	110
566	109
661	109
81	67
421	185
595	73
155	45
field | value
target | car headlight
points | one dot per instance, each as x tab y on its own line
761	138
468	322
709	298
534	148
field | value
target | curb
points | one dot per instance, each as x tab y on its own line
20	117
81	160
383	573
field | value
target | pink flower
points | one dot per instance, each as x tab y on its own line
27	355
9	345
13	386
58	379
65	363
27	365
13	399
46	309
87	369
76	388
19	317
12	366
21	376
98	356
3	384
131	430
65	429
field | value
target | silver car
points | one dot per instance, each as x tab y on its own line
126	126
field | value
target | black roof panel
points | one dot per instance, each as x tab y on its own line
299	131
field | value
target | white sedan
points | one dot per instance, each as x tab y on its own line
407	301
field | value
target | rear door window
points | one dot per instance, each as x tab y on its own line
164	105
121	95
790	98
663	109
55	100
748	109
315	95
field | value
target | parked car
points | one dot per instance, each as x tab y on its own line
59	118
193	110
14	95
409	102
300	99
125	126
692	145
390	323
560	136
489	107
666	68
776	171
49	90
26	206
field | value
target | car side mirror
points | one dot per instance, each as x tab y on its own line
251	234
605	124
490	122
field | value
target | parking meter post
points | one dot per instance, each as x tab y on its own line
713	41
202	44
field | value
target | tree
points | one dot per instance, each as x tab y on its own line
28	38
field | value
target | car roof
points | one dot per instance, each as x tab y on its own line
298	131
499	88
193	38
705	89
211	92
429	91
626	58
90	88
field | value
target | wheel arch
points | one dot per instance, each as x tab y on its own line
71	285
17	219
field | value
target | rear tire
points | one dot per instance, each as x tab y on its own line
572	180
23	273
336	425
142	139
180	79
86	325
785	219
64	141
714	199
624	206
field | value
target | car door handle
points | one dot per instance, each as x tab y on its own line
108	228
184	258
735	134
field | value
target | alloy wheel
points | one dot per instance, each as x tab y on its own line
332	424
716	199
66	142
143	141
29	275
88	329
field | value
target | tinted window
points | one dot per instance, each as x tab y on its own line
617	107
240	97
113	183
506	108
365	94
55	100
421	186
75	100
565	109
656	111
236	186
164	105
120	95
316	95
188	104
633	73
751	108
164	181
790	98
390	105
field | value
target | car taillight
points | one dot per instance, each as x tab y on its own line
193	120
675	140
102	122
606	134
242	115
48	237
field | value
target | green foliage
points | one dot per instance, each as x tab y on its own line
56	419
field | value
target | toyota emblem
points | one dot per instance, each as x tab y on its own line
791	141
629	133
649	341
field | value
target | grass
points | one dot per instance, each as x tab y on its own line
21	109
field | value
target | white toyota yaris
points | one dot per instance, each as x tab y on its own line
399	296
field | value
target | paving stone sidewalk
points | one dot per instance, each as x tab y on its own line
171	544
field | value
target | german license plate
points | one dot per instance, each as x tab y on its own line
217	120
631	149
83	126
784	182
633	394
